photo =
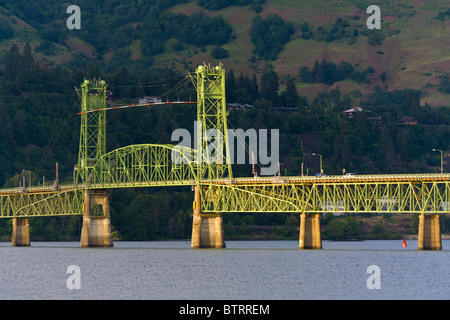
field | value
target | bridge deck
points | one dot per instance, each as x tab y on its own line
267	180
340	179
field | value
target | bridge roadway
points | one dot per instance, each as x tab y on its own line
426	194
394	193
240	181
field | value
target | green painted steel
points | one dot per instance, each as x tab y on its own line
362	194
387	195
211	136
207	166
145	165
93	126
46	203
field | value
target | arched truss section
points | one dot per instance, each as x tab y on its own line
144	165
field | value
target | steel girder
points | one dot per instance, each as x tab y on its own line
32	204
347	197
225	196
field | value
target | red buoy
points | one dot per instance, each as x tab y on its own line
404	243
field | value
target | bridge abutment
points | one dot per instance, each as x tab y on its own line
96	230
207	229
21	232
309	237
429	235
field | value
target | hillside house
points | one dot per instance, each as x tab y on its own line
350	112
407	121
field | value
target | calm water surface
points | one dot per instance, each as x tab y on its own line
244	270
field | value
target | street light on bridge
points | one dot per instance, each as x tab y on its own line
442	167
316	154
29	177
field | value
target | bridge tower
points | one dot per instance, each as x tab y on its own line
210	138
93	126
96	230
211	145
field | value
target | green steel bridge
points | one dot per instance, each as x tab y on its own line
415	193
153	165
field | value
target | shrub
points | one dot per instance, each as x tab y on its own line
219	53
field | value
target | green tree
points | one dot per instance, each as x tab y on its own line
380	231
219	53
269	35
6	32
414	223
290	96
386	151
269	85
343	229
376	37
254	88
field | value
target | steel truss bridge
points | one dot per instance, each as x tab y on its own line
154	165
419	193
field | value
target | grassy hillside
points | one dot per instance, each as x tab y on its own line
413	53
415	57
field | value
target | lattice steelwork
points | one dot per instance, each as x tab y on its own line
211	135
44	203
93	126
144	165
362	194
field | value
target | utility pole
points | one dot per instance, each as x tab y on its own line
316	154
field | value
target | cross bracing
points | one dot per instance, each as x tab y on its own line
150	165
428	194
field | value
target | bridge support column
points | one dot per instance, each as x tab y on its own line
207	229
21	232
309	237
96	230
429	235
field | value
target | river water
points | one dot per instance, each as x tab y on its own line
245	270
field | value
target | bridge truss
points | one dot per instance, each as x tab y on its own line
424	194
150	165
355	194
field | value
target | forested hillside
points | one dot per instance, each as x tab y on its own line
147	47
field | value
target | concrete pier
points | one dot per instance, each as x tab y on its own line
96	230
429	235
207	229
21	232
309	237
